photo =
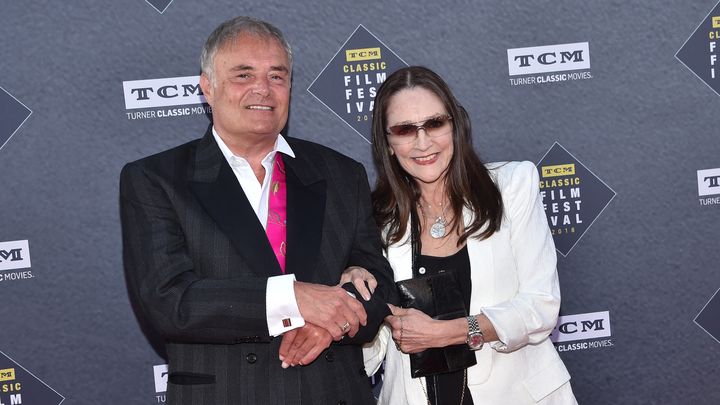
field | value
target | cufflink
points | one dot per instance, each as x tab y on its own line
287	323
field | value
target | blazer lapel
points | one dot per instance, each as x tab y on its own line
306	190
482	268
216	188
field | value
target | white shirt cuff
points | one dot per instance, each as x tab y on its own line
493	315
283	313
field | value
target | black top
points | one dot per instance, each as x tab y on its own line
447	388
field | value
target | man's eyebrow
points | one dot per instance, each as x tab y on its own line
244	68
238	68
281	68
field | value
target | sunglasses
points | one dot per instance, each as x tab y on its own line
408	132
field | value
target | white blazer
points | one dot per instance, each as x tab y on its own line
515	284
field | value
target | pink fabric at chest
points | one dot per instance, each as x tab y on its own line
277	212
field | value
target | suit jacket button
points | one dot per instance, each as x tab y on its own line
251	358
330	356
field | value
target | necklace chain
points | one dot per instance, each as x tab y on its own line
438	229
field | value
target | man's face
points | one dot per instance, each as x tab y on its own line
250	94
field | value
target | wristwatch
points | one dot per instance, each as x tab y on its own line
475	338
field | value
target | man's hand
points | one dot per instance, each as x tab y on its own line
358	276
302	346
330	308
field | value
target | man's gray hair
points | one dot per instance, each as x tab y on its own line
229	31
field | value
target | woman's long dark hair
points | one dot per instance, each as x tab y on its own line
468	181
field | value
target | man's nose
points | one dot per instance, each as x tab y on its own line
261	87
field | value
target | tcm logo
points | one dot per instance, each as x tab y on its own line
558	170
14	255
550	58
161	377
163	92
708	181
581	327
353	55
7	374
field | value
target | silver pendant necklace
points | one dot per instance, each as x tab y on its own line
438	229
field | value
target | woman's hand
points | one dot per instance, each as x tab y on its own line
413	331
359	276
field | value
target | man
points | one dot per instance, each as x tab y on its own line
240	236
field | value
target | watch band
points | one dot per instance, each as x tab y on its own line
475	338
473	326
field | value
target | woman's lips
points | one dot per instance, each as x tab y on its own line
426	160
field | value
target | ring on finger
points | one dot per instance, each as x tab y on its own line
345	327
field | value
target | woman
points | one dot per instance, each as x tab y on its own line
486	224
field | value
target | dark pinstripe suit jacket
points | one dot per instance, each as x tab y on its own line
197	260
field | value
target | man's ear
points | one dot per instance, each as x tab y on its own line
207	88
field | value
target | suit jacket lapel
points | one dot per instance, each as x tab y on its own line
306	191
215	186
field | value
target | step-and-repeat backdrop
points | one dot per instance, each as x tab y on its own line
617	103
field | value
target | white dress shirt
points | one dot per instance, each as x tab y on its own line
280	293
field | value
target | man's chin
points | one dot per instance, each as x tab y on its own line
264	133
243	130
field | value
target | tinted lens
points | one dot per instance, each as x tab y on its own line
403	133
435	123
404	130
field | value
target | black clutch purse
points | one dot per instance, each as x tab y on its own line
440	297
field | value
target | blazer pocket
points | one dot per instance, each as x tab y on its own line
547	380
184	378
480	372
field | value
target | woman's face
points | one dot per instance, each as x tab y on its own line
423	153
